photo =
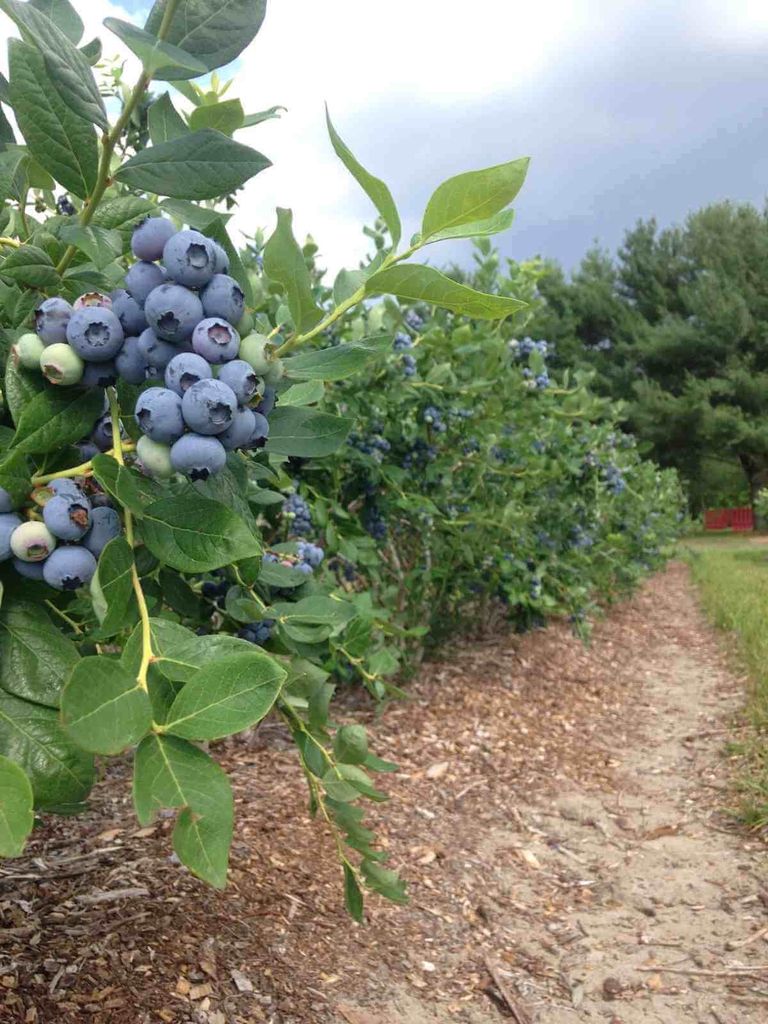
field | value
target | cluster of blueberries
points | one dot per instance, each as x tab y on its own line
434	418
540	381
614	479
372	444
299	513
374	522
174	322
521	350
63	548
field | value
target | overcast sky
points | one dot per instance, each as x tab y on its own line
627	108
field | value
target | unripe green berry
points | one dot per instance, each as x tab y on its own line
245	324
27	352
155	457
275	373
61	365
253	349
32	542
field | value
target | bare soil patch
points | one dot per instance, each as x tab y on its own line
558	815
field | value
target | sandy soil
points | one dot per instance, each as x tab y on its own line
559	814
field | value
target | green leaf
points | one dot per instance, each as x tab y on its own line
92	51
67	67
35	658
100	245
127	486
61	141
32	736
225	117
285	263
196	537
315	611
16	816
114	585
362	783
275	575
180	653
16	476
189	92
226	697
374	188
476	229
338	788
350	744
164	121
215	31
262	115
199	217
308	393
336	363
375	764
201	165
63	15
347	283
178	594
30	266
156	56
103	708
169	772
418	283
474	196
123	215
386	883
54	419
21	387
306	433
353	897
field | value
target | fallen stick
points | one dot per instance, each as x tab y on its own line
730	946
734	973
520	1015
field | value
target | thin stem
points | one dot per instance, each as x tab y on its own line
13	242
60	613
84	469
146	629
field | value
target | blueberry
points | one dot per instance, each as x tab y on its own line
128	312
102	433
29	570
69	568
158	413
64	485
142	279
64	206
67	516
88	450
155	352
8	523
173	312
131	363
92	299
268	402
33	542
99	375
61	365
223	297
241	377
209	407
27	351
150	236
6	504
186	369
240	431
105	526
95	334
222	260
253	349
51	319
190	258
216	340
198	457
260	432
155	458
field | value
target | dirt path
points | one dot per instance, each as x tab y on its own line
557	814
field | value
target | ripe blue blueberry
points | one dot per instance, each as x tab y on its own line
216	340
99	375
222	260
95	334
142	279
223	297
98	299
190	258
102	433
131	363
51	319
158	413
239	433
209	407
155	458
61	364
241	377
32	542
64	485
26	351
8	523
150	236
88	450
173	312
155	352
186	369
268	402
6	504
29	570
69	568
105	526
128	312
260	431
67	516
198	457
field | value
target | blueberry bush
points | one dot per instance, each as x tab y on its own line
164	583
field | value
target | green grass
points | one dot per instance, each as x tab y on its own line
731	571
